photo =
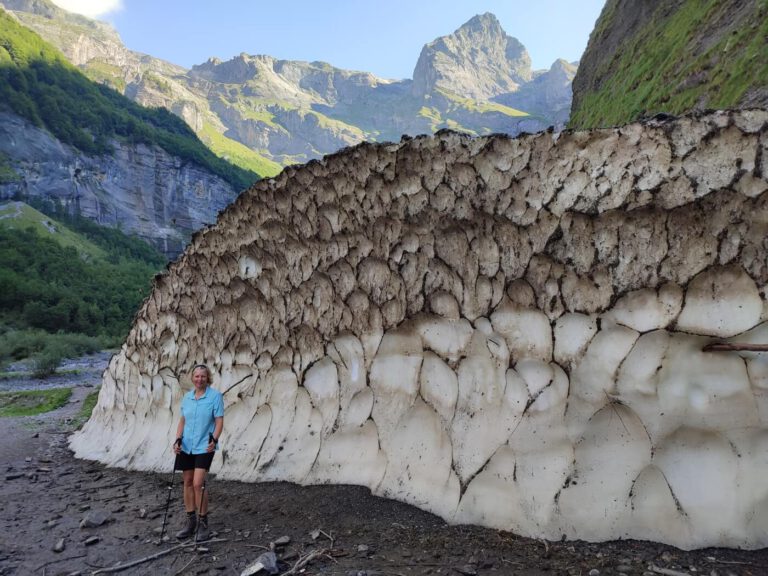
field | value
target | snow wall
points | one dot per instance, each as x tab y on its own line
505	332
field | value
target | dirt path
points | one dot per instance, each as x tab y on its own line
46	493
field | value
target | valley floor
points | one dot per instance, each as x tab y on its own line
46	493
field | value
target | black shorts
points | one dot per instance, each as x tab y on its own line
186	461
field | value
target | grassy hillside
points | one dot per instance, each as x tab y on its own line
237	153
39	84
67	287
20	216
695	54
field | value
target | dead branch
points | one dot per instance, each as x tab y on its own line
546	547
329	536
187	565
734	347
59	560
121	567
306	559
735	563
88	489
667	571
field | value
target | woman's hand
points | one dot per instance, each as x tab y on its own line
211	443
177	446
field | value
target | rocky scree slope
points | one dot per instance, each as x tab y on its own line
502	331
671	56
261	112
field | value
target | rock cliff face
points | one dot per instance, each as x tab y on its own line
671	56
502	331
143	190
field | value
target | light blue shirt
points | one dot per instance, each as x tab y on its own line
199	419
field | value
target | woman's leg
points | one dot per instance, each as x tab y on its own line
190	522
189	490
200	502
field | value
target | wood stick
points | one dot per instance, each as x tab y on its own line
304	560
667	571
734	562
59	560
97	487
329	536
184	567
121	567
734	347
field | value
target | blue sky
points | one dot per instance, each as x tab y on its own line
380	36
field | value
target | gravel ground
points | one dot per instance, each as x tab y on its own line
47	494
85	371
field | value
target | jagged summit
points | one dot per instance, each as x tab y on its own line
480	22
563	66
297	82
479	60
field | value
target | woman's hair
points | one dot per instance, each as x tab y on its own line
207	371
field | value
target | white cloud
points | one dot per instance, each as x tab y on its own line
90	8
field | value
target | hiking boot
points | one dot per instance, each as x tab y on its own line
189	527
202	530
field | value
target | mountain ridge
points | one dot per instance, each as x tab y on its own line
289	111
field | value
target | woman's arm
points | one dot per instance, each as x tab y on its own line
179	433
218	427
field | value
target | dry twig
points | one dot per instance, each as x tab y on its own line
734	347
42	566
666	571
329	536
735	562
546	547
306	559
184	567
121	567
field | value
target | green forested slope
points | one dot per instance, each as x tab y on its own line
58	282
671	56
38	83
62	279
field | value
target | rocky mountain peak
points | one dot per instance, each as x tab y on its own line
562	66
237	70
479	60
40	7
484	24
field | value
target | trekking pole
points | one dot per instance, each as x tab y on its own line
168	501
202	494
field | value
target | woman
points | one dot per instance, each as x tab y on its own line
197	436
